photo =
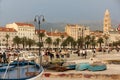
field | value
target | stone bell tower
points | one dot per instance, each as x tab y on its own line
106	22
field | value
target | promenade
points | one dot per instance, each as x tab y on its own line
112	72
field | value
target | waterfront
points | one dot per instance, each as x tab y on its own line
62	32
111	72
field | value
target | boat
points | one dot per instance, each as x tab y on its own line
82	66
69	65
21	70
26	55
97	67
21	67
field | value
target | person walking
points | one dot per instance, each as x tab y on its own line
4	57
51	55
93	55
78	52
0	57
46	58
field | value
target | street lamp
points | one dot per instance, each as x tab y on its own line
83	32
38	20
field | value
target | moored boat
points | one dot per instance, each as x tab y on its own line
97	67
21	70
82	66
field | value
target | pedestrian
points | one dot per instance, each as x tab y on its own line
0	57
108	50
42	53
57	55
46	57
94	51
93	55
117	49
62	54
85	54
4	57
51	55
78	52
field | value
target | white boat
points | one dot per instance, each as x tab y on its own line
26	55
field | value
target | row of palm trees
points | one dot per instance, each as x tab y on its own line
24	41
82	42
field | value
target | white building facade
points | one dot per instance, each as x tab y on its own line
23	29
77	31
7	31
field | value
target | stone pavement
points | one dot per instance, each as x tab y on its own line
112	72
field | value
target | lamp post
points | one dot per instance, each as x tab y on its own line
38	19
82	38
83	32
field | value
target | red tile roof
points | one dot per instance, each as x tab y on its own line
41	31
56	34
24	24
3	29
96	33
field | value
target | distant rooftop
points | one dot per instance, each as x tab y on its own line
3	29
56	33
24	24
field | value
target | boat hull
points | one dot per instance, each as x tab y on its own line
82	66
22	71
97	67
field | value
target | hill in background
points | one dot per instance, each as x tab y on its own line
61	26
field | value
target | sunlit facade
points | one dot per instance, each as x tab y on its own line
106	22
11	34
76	31
23	29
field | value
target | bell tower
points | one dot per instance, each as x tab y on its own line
106	22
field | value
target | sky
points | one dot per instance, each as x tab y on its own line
68	11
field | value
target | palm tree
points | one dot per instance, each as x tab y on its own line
64	43
80	42
48	41
16	41
7	37
74	43
87	41
116	43
119	43
39	44
58	41
24	41
100	41
93	41
41	35
70	40
62	36
55	43
30	42
106	38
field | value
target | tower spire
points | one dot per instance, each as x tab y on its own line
106	22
